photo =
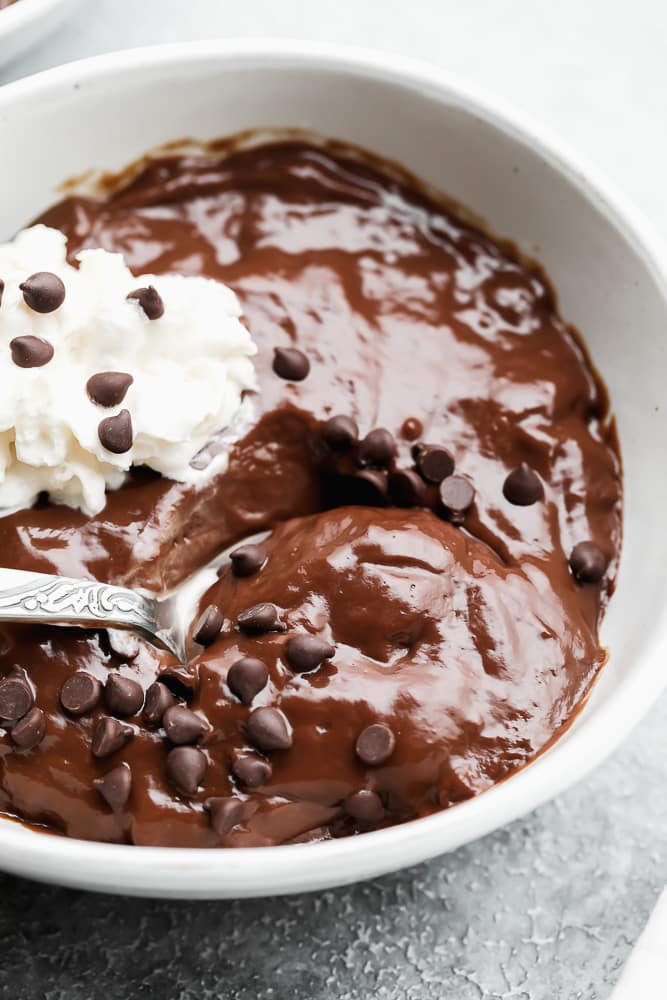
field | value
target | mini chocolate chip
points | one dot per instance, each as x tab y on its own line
182	679
260	618
366	488
30	352
115	786
158	699
150	301
523	487
225	813
2	288
290	364
123	643
186	768
251	771
456	495
122	695
80	693
29	731
16	697
364	806
110	735
411	428
247	560
340	433
307	652
434	463
588	562
115	433
375	744
268	729
377	448
407	489
43	292
208	625
108	388
182	725
247	677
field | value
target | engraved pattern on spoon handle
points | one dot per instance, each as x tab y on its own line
56	600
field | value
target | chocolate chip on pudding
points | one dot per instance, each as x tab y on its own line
186	769
434	463
115	786
340	432
406	637
208	625
109	736
30	730
307	652
247	560
247	677
377	448
588	562
375	744
456	496
290	364
522	486
80	693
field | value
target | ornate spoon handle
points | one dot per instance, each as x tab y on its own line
60	600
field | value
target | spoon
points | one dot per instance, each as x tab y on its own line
45	599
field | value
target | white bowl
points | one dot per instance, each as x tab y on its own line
607	267
29	21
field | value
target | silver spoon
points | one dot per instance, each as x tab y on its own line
43	599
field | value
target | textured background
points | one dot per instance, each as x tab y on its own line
548	908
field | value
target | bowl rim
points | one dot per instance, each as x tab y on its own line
235	872
18	15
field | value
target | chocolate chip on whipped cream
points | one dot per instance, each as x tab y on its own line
115	433
108	388
184	378
43	292
150	301
30	352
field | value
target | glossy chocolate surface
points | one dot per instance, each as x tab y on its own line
464	633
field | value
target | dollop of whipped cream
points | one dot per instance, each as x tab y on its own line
190	369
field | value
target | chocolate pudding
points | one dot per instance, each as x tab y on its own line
434	452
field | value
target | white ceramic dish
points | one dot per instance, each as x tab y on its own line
29	21
610	274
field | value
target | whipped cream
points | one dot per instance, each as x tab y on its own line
190	369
